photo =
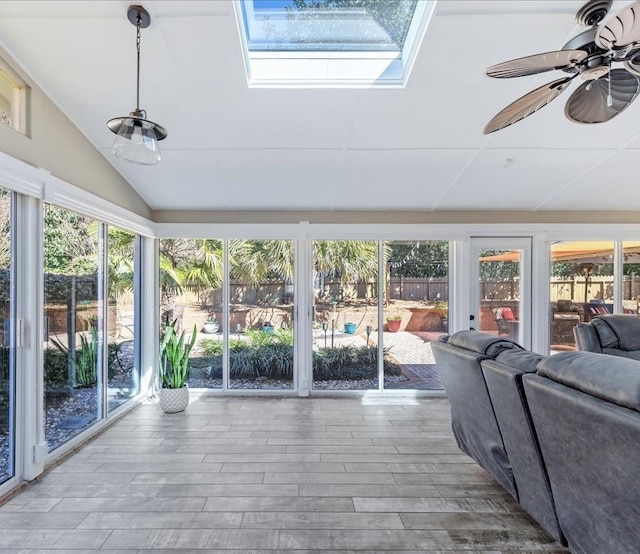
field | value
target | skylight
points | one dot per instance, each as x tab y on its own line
331	42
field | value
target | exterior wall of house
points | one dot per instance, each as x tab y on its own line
53	143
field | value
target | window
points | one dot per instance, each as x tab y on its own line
331	42
13	91
123	367
73	310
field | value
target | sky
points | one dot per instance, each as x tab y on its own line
271	4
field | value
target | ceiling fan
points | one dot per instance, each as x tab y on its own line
605	91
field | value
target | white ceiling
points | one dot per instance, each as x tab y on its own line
418	148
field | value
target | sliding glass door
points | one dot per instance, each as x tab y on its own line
74	319
345	315
261	314
7	344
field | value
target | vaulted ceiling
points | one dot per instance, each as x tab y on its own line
417	148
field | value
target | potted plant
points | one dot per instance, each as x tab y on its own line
349	327
267	327
393	323
174	369
211	324
441	308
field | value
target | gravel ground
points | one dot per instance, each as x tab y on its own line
68	416
4	457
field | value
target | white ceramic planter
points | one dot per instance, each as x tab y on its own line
211	327
174	400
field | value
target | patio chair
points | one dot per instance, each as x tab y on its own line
505	320
592	309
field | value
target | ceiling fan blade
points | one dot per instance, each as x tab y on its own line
527	104
621	30
588	104
537	63
632	63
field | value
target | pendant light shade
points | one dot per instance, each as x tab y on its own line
136	137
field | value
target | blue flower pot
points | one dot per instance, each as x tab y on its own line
350	328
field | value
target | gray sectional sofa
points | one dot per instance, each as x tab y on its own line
497	435
564	429
618	335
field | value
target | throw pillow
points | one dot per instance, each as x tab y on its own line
507	313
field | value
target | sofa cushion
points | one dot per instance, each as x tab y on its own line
618	331
610	378
521	360
482	343
606	335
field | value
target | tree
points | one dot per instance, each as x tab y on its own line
70	246
394	16
121	260
5	228
196	264
419	259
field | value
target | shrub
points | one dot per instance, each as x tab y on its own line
211	347
350	362
84	360
56	367
271	356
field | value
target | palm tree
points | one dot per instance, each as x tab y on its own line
197	264
256	260
347	260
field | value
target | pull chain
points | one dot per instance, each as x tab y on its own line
609	97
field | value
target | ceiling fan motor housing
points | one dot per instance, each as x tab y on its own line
593	12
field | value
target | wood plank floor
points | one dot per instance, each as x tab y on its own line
249	475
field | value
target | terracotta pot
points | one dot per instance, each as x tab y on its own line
393	326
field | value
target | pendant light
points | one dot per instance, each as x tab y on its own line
137	137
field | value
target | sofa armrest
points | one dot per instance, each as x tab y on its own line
586	338
482	343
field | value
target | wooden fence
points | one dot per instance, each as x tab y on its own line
422	290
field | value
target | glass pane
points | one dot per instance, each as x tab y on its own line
416	312
123	366
631	273
261	314
345	290
191	274
12	98
7	431
73	310
581	287
6	95
499	293
326	25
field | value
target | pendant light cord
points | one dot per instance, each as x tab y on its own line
138	69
